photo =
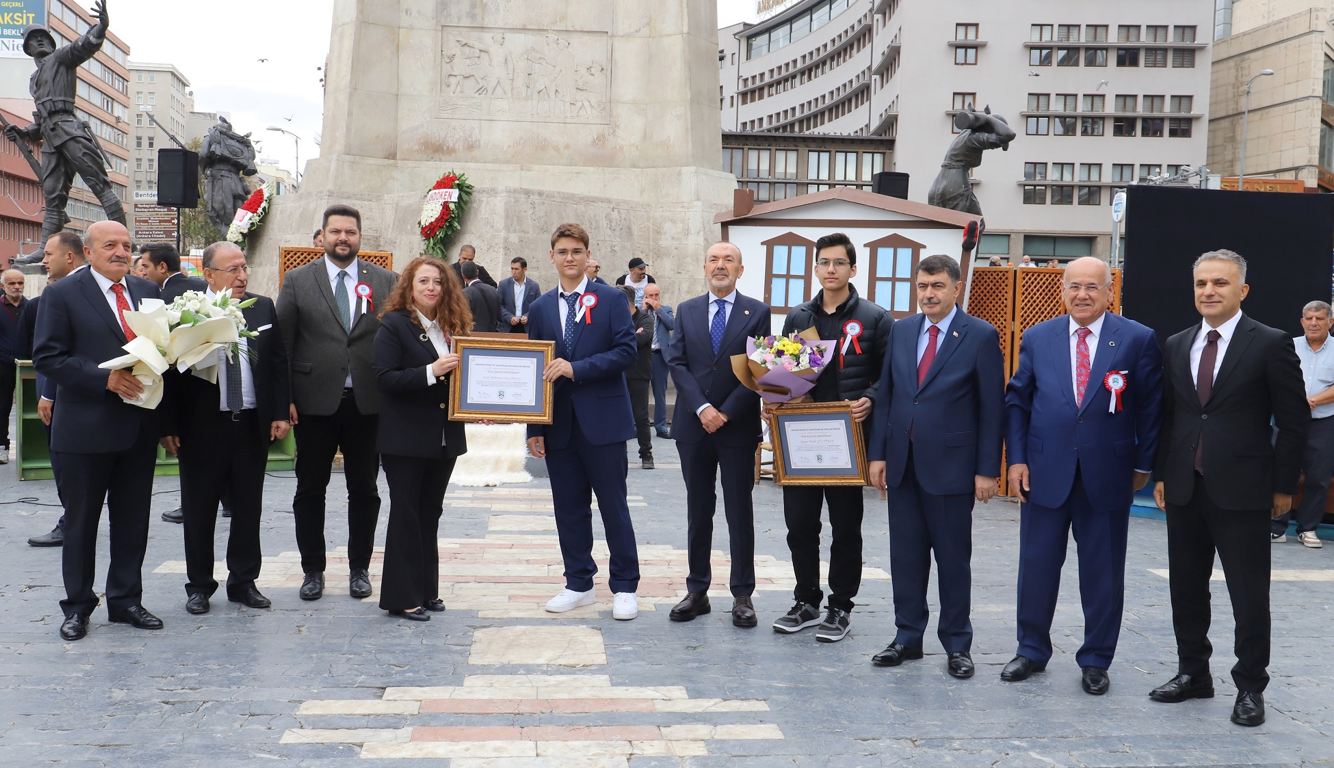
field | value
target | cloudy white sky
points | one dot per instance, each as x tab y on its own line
218	47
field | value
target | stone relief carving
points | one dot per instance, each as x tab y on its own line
525	75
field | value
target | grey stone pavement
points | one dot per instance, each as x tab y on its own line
228	688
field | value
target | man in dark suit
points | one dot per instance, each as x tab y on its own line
585	444
61	256
664	323
468	254
1082	418
638	378
1223	473
717	426
483	299
162	264
108	448
935	446
326	311
221	432
517	294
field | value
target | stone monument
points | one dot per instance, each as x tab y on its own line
603	112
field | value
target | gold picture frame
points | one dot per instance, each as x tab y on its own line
539	411
837	458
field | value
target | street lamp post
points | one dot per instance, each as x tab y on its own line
1245	121
297	174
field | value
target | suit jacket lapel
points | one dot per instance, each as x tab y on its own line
945	347
1061	353
733	327
323	283
1102	360
1242	336
92	292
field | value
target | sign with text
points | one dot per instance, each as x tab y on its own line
14	16
152	222
1265	185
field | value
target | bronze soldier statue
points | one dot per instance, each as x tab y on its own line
979	131
224	158
68	143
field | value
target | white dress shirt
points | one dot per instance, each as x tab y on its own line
1091	341
713	311
247	375
1225	332
350	281
925	337
104	284
520	290
562	306
436	335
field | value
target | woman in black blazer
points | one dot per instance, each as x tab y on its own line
417	443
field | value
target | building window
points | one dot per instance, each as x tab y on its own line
1039	102
151	163
1057	247
965	54
1127	33
1067	33
138	163
1035	195
1155	57
994	245
1035	171
787	270
1155	34
872	163
1037	126
139	119
1094	102
150	141
1151	126
1123	126
138	142
1125	103
138	77
1182	105
757	163
1095	33
1179	128
1067	57
1090	171
1127	57
1063	126
785	165
1183	58
1062	195
1090	195
784	191
1067	102
138	97
1092	126
761	190
817	165
1095	57
1326	147
1183	34
893	270
1062	172
1040	33
965	32
1154	104
1039	57
732	162
1123	173
964	100
845	166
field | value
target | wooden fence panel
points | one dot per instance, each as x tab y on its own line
291	257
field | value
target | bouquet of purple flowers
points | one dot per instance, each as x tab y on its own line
783	368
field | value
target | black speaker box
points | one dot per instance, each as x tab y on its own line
178	178
891	183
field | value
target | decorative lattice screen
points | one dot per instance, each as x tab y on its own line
291	257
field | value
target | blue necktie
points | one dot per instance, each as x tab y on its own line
570	300
718	325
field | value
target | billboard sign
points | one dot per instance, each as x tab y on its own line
14	16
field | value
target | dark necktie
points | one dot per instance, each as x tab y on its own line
122	306
1204	387
344	301
928	355
570	300
718	325
233	368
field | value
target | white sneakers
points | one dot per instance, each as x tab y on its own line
1310	539
568	600
624	605
4	455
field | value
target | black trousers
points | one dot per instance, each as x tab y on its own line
318	438
801	510
411	551
700	463
125	482
660	375
1194	532
229	458
55	474
1318	464
639	390
8	382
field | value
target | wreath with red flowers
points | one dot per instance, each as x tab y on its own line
441	212
250	214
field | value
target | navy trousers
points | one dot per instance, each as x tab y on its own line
699	467
1101	541
578	471
921	523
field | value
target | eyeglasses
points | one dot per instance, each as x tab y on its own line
234	270
837	263
577	252
1082	288
595	269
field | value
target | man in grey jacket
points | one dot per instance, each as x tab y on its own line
327	313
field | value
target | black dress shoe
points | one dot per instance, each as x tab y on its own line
436	605
418	615
743	613
664	434
176	515
196	603
646	462
1249	709
1095	681
694	604
359	583
55	538
250	597
895	654
74	627
1021	668
136	617
960	665
313	586
1183	687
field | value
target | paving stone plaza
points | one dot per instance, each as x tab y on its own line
496	682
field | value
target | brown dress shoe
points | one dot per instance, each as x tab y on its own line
694	604
743	613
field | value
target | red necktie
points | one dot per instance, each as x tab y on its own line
928	355
1083	366
122	306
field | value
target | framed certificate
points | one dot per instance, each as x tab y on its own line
817	444
500	380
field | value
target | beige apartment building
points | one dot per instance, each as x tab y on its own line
163	91
1101	95
1290	131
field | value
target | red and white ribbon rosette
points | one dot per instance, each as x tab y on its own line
364	292
852	329
1115	382
586	304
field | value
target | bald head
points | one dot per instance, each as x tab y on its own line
108	247
1088	289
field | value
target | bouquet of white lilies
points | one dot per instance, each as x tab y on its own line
184	334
